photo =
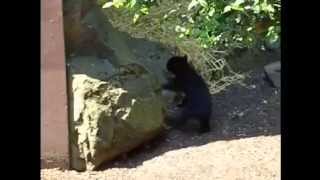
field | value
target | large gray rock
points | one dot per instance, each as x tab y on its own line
114	87
273	73
113	111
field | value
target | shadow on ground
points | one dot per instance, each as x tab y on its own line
239	112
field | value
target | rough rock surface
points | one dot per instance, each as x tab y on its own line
273	72
112	111
114	92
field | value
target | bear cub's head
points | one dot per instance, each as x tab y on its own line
178	64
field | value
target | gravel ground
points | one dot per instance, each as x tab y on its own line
244	143
244	159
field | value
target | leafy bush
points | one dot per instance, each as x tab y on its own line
205	30
215	23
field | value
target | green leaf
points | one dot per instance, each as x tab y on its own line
203	3
188	32
256	9
211	11
237	8
107	5
270	8
190	20
238	2
239	39
172	11
144	10
267	7
238	19
227	9
136	17
118	3
271	28
247	7
202	11
132	3
180	29
204	46
192	4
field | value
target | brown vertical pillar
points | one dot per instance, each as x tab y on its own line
54	112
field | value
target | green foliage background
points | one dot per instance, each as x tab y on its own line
205	30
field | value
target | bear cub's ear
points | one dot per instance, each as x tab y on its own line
185	58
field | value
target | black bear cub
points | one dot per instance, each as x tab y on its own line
197	101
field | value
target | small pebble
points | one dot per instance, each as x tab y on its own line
253	86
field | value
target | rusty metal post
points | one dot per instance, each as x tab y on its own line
54	112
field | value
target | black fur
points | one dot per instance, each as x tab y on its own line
197	102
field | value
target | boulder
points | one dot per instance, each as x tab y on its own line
113	111
273	73
114	84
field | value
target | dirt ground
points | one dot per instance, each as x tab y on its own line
244	143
